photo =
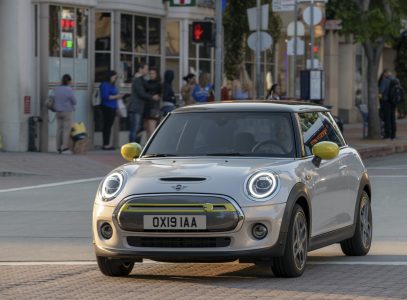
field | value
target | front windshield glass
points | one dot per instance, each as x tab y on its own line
224	134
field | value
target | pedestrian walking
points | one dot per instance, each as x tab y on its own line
152	111
169	100
139	98
187	88
388	84
202	91
64	105
109	94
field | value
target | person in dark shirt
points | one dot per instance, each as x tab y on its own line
139	97
109	94
152	107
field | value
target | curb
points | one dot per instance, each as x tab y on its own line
381	151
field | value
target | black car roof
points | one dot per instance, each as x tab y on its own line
253	106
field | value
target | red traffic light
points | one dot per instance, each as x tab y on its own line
202	32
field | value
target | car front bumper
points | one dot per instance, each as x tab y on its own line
242	245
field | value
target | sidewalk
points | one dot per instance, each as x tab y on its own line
18	169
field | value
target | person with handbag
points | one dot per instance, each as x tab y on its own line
64	102
109	94
152	108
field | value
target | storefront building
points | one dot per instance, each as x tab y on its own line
86	38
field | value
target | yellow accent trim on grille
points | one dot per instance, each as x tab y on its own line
161	208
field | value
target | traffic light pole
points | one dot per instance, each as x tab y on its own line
218	51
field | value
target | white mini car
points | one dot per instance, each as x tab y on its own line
257	182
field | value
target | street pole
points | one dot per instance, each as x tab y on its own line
312	35
258	44
218	51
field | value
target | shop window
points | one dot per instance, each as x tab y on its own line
102	66
82	33
140	34
67	32
54	30
154	36
140	42
172	38
103	35
103	45
126	26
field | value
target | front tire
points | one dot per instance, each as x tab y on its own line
360	243
292	263
114	267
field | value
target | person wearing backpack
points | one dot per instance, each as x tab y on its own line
391	94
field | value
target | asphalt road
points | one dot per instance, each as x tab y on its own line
53	224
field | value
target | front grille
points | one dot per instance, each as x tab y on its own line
179	242
221	214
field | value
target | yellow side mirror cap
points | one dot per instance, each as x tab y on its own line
130	151
325	150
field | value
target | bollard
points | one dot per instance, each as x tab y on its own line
33	133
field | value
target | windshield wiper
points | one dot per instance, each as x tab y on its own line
225	154
158	155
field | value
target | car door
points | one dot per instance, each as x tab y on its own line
326	183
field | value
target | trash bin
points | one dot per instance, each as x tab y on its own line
33	133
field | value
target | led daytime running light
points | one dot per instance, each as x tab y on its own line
270	181
112	186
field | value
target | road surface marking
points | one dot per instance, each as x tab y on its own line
51	185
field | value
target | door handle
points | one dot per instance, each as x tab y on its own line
343	167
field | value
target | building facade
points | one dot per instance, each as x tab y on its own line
86	38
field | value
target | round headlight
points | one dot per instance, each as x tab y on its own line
262	185
112	186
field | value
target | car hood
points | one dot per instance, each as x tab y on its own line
225	176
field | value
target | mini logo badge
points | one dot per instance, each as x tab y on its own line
179	187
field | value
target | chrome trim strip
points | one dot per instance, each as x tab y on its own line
227	198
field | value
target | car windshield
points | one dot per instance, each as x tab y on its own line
224	134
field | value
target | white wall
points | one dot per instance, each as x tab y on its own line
17	74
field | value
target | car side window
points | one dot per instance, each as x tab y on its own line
317	127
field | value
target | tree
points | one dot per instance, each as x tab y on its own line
373	23
236	30
401	70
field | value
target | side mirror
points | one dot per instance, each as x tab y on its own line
130	151
324	150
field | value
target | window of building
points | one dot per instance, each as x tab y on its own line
103	44
68	43
172	51
140	42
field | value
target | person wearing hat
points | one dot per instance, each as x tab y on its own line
186	90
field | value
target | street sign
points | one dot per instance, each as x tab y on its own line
333	25
300	47
291	29
179	3
317	18
283	5
265	39
252	16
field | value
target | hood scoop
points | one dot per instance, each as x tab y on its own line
182	179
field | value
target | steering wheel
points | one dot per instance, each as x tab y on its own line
268	142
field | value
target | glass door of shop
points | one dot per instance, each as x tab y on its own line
69	54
